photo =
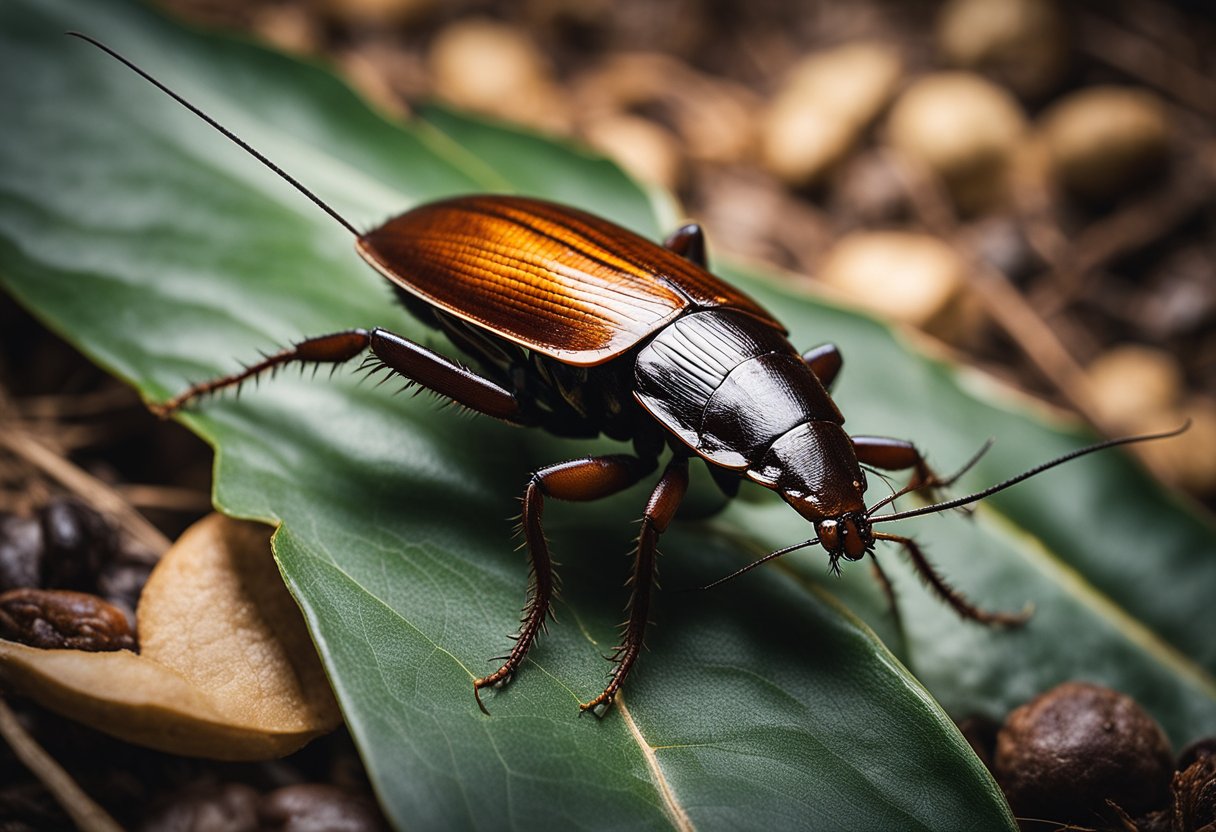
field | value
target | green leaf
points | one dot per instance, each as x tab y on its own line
168	255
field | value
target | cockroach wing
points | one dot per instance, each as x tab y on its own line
553	279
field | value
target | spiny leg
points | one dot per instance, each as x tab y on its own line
590	478
334	348
413	361
664	501
956	600
888	590
825	362
447	378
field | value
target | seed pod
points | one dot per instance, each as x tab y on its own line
77	541
61	619
20	552
1064	754
222	807
1194	787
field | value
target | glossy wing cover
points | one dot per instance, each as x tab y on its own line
553	279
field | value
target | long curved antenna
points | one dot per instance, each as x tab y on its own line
1025	475
233	137
762	560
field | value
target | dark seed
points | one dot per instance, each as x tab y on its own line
20	552
121	582
227	807
1064	754
61	619
77	541
319	807
1196	751
1194	792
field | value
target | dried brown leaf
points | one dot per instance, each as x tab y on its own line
226	668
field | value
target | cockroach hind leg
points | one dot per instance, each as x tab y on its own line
495	681
599	706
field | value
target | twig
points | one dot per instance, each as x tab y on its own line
85	813
93	490
1144	59
165	498
1135	227
1003	303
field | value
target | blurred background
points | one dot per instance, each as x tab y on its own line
1030	182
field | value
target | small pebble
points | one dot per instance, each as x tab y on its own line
226	807
1132	383
898	275
826	103
1103	141
77	542
20	552
1024	44
319	807
963	128
495	68
644	149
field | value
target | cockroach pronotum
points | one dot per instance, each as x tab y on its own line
580	327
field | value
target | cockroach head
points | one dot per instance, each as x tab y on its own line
849	536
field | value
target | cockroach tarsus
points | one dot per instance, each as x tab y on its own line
581	328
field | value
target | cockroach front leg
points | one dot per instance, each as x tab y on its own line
580	480
664	501
408	359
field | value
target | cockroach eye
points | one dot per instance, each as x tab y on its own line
829	535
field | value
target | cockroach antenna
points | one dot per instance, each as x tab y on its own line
233	137
1025	475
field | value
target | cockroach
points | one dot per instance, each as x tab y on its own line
580	327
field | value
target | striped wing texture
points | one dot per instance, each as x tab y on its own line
553	279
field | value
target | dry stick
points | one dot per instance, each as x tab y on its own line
1146	60
91	489
1134	227
1003	303
165	498
58	406
85	813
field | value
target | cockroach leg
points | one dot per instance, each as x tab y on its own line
825	362
688	241
949	594
898	455
335	348
580	480
888	589
664	501
449	379
412	361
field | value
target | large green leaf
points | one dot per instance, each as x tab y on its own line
167	255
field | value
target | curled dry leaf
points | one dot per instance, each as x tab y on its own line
227	669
